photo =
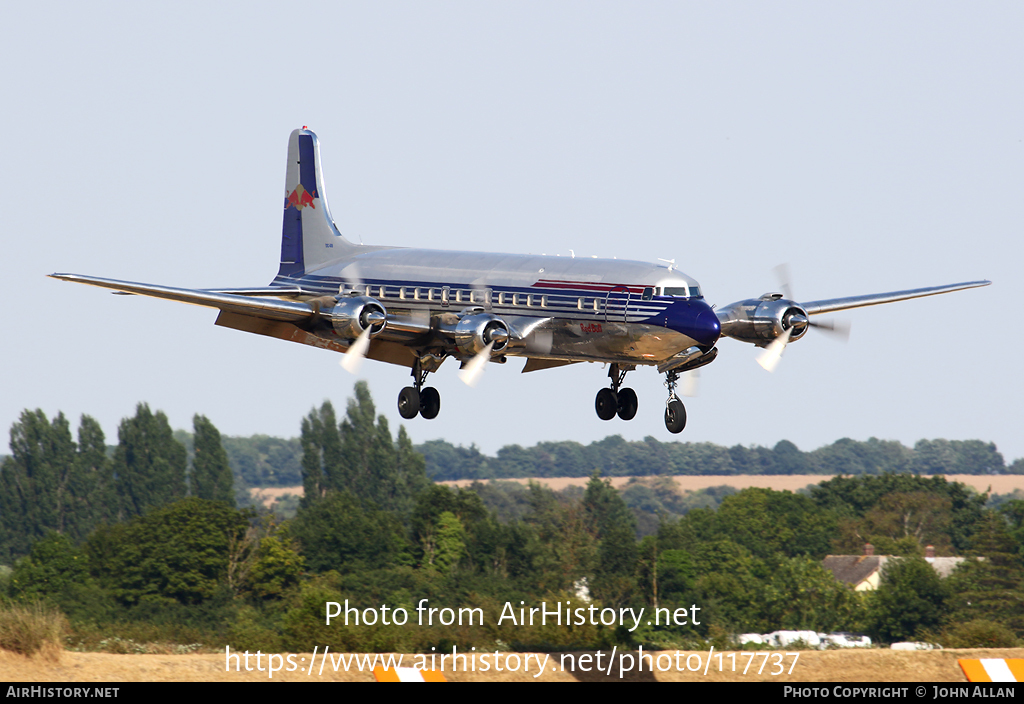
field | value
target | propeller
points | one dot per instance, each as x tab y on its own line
353	359
474	368
772	354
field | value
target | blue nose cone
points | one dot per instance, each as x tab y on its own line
695	319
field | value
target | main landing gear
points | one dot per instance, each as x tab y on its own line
413	400
616	401
675	411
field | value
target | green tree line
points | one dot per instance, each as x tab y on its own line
162	566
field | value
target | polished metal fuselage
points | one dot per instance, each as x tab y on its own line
558	308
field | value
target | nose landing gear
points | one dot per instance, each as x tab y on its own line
675	411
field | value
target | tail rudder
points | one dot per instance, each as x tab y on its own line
309	237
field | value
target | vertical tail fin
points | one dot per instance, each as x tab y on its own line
309	237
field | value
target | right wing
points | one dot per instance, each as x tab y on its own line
258	306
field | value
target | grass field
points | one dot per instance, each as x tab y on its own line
811	666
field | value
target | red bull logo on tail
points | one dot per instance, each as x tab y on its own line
300	198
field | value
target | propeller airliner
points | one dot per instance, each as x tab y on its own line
416	308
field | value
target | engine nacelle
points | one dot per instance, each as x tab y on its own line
761	320
474	332
351	316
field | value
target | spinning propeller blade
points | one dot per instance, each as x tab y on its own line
474	369
353	359
769	358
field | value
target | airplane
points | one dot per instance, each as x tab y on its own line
416	308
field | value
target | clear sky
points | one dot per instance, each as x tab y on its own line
872	146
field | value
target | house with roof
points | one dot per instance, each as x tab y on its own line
864	572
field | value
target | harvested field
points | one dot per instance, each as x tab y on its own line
999	484
996	484
812	666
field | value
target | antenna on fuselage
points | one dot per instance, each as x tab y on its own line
671	262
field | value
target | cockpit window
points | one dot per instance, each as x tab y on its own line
694	292
647	294
676	291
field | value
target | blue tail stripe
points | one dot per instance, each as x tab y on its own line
307	164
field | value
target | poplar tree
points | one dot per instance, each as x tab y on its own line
49	484
359	456
211	472
149	463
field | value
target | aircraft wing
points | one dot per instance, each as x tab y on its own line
246	304
830	305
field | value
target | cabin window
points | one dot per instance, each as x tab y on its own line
529	301
515	299
648	293
596	305
580	302
501	299
445	292
383	292
543	301
401	293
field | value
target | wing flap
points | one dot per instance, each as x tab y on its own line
830	305
268	308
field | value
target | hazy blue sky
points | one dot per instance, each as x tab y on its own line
873	146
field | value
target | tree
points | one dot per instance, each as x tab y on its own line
149	464
853	497
451	542
910	599
803	595
614	527
768	522
360	456
179	551
900	520
211	473
51	484
321	454
52	566
991	586
338	532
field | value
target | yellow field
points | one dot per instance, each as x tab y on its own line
996	484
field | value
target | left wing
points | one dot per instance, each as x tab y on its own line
830	305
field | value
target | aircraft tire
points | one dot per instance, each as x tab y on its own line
675	416
430	403
628	404
408	402
606	404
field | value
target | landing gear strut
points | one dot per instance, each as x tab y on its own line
675	411
615	400
413	400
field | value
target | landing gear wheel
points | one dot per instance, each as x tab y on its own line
430	403
606	404
408	402
675	416
627	404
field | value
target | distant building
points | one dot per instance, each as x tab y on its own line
863	572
